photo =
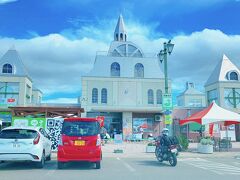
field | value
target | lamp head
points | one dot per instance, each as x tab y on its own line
169	47
161	56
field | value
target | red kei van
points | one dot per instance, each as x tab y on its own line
80	141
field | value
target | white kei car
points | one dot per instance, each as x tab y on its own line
25	144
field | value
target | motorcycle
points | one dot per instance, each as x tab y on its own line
169	155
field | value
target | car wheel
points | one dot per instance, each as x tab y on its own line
42	162
60	165
98	165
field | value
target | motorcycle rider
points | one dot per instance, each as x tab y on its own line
165	141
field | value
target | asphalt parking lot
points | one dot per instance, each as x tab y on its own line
134	163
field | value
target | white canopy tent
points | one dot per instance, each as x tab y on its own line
213	114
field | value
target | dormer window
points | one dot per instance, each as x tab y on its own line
232	75
7	68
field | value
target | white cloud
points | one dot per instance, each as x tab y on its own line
7	1
194	56
57	63
54	62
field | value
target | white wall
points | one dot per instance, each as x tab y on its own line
123	93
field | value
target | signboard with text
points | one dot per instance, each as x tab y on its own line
167	101
118	139
6	116
168	119
32	122
8	102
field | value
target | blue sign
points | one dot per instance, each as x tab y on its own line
167	112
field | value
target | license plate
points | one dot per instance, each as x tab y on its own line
174	150
79	143
16	145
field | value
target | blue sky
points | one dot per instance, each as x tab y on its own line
41	31
22	17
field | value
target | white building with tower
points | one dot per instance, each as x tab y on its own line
223	87
126	86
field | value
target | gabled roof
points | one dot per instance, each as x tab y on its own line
221	70
12	57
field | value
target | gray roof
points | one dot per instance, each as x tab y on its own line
12	57
220	71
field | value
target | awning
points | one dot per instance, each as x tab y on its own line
213	114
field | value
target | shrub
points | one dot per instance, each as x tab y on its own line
183	141
206	141
151	144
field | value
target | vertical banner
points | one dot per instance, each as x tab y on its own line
167	102
101	120
211	126
54	127
168	117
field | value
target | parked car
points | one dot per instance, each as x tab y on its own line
25	144
80	141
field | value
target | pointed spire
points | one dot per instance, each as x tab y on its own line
120	34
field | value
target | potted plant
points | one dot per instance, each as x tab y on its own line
206	145
150	147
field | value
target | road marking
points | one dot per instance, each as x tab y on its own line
50	172
216	167
128	166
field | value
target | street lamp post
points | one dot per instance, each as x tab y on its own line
167	50
162	55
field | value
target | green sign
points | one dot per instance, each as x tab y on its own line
32	122
168	119
167	101
6	116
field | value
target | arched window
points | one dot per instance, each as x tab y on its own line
104	95
150	97
7	68
94	95
159	96
139	70
233	76
117	37
121	36
115	69
125	37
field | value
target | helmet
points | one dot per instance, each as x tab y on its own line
165	131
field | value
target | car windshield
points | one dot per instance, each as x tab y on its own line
80	128
18	134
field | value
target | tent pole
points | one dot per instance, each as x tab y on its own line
227	139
